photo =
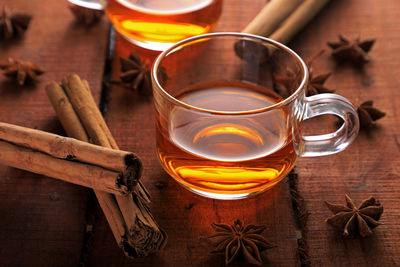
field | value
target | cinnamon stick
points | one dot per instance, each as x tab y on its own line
77	95
143	236
279	20
73	127
76	172
68	159
269	18
70	148
66	113
297	20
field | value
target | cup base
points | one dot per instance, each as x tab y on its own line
155	46
221	196
224	196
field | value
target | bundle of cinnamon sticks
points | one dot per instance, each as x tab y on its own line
129	216
112	173
281	20
68	159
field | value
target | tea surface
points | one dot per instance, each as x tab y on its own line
227	138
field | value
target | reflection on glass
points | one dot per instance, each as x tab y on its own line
92	4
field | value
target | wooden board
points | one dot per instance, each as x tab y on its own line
370	166
43	220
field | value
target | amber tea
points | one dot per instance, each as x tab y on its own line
222	131
214	155
156	24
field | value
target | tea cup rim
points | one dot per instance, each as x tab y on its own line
157	86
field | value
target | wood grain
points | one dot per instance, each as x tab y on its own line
43	220
370	166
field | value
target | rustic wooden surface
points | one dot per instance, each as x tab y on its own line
43	220
370	166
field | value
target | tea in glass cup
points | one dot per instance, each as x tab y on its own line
157	24
222	131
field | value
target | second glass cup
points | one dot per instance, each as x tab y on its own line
158	24
222	131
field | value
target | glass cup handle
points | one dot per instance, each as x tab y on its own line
327	144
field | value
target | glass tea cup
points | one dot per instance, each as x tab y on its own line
222	131
158	24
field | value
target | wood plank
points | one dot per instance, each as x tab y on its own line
370	166
43	220
186	217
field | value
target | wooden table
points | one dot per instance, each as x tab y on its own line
46	222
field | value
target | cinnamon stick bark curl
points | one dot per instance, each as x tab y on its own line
129	216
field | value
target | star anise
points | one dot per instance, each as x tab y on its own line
368	114
316	82
355	51
352	220
136	72
21	71
288	82
237	239
13	25
86	16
